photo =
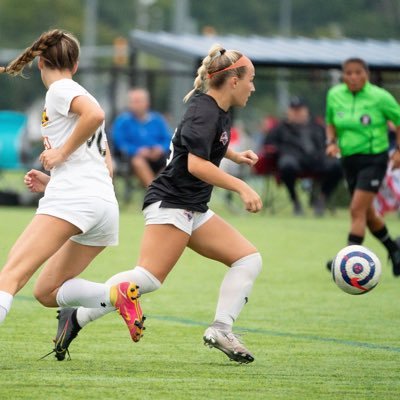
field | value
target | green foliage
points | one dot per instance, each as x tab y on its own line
310	340
19	26
358	18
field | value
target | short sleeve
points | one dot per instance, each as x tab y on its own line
199	129
62	95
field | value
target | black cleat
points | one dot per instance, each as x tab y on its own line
394	257
329	264
67	331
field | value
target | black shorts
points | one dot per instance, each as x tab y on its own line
365	171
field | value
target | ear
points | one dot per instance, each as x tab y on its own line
75	68
40	63
234	81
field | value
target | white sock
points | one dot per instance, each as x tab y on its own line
146	281
236	287
5	304
80	292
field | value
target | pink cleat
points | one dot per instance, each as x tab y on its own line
124	297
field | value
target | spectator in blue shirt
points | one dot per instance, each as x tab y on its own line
143	136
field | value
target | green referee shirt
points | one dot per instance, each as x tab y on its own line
360	119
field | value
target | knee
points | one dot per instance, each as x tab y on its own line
356	213
252	262
258	263
42	296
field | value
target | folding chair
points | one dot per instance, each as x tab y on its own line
267	168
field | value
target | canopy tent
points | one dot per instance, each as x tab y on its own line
296	52
278	57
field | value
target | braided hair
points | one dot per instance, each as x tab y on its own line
58	49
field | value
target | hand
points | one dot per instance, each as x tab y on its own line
156	152
144	152
332	150
395	159
246	157
251	199
52	158
36	181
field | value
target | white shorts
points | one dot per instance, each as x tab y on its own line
185	220
98	219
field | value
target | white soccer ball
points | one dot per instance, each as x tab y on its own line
356	269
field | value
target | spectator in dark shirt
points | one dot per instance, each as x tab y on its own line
300	145
143	136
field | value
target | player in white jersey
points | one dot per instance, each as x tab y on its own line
78	214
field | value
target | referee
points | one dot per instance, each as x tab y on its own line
357	113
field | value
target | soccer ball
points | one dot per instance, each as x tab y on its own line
356	269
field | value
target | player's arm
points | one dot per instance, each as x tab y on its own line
211	174
36	181
244	157
91	116
332	148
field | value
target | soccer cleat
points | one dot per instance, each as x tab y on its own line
124	297
394	257
329	264
228	343
67	331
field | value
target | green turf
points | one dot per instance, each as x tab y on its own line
310	339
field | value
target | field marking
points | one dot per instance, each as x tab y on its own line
266	332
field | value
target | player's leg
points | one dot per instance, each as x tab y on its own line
61	270
373	178
57	285
217	240
162	245
377	227
69	261
39	241
360	203
353	173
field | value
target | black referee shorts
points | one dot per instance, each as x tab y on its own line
365	171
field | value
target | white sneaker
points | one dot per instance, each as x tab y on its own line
228	343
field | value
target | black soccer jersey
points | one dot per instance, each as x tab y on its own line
205	132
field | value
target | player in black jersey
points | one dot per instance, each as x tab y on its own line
175	206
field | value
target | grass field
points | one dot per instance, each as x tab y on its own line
310	339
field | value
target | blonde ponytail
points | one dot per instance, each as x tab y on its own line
217	59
